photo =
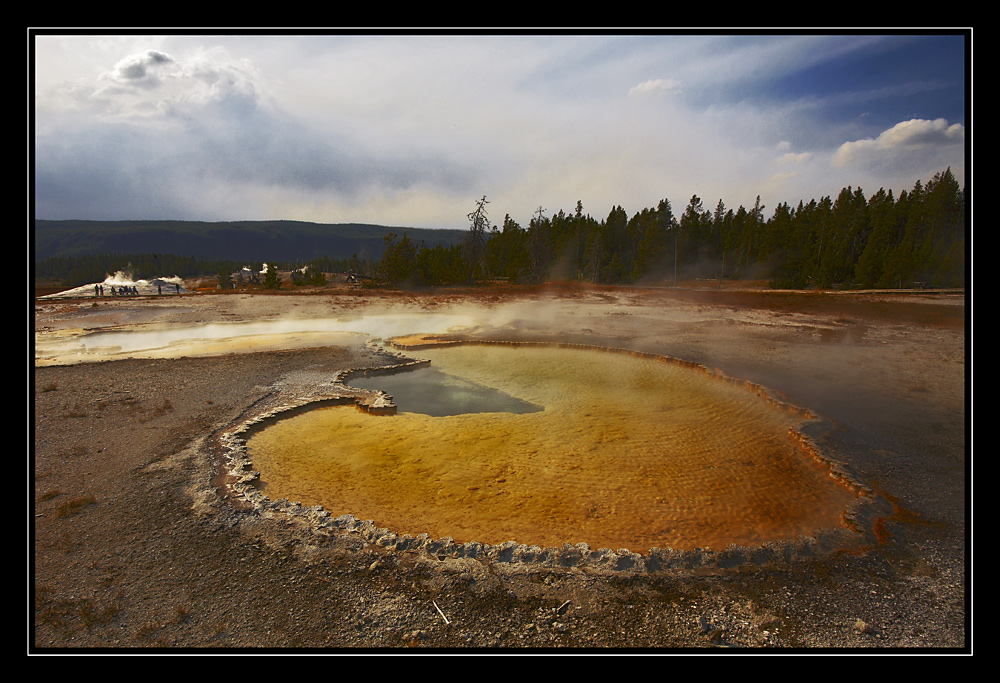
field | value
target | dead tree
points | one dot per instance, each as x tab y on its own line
475	241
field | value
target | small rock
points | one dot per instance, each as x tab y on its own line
861	626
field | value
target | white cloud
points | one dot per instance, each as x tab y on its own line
668	86
157	86
410	130
779	180
141	70
908	135
794	158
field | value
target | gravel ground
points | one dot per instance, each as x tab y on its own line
134	545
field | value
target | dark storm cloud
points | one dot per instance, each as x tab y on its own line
172	140
102	171
141	70
121	171
265	150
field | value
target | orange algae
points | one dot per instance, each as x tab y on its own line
629	452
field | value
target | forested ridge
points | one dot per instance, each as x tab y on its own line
235	240
847	241
851	241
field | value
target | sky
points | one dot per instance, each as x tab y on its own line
411	129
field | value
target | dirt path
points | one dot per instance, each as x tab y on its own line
133	548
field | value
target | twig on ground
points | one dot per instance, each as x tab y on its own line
440	612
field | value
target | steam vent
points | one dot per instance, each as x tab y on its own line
546	445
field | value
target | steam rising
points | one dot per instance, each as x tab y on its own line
542	314
216	338
124	278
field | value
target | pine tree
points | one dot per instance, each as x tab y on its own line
540	245
883	221
271	278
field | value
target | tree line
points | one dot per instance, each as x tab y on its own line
850	241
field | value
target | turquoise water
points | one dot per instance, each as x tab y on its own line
429	391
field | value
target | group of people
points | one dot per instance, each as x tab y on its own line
129	290
122	290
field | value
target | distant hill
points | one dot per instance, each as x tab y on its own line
235	240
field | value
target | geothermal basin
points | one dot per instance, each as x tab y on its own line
541	444
547	444
172	556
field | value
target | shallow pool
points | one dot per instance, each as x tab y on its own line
617	452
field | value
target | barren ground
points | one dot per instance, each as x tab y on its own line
134	547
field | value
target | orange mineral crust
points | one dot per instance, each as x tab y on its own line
623	451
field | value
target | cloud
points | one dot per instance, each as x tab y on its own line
195	135
915	134
780	179
413	129
794	158
140	70
657	86
157	87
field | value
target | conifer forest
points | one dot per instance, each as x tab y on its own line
851	241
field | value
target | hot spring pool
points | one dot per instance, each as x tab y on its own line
575	445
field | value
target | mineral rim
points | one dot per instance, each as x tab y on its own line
237	480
